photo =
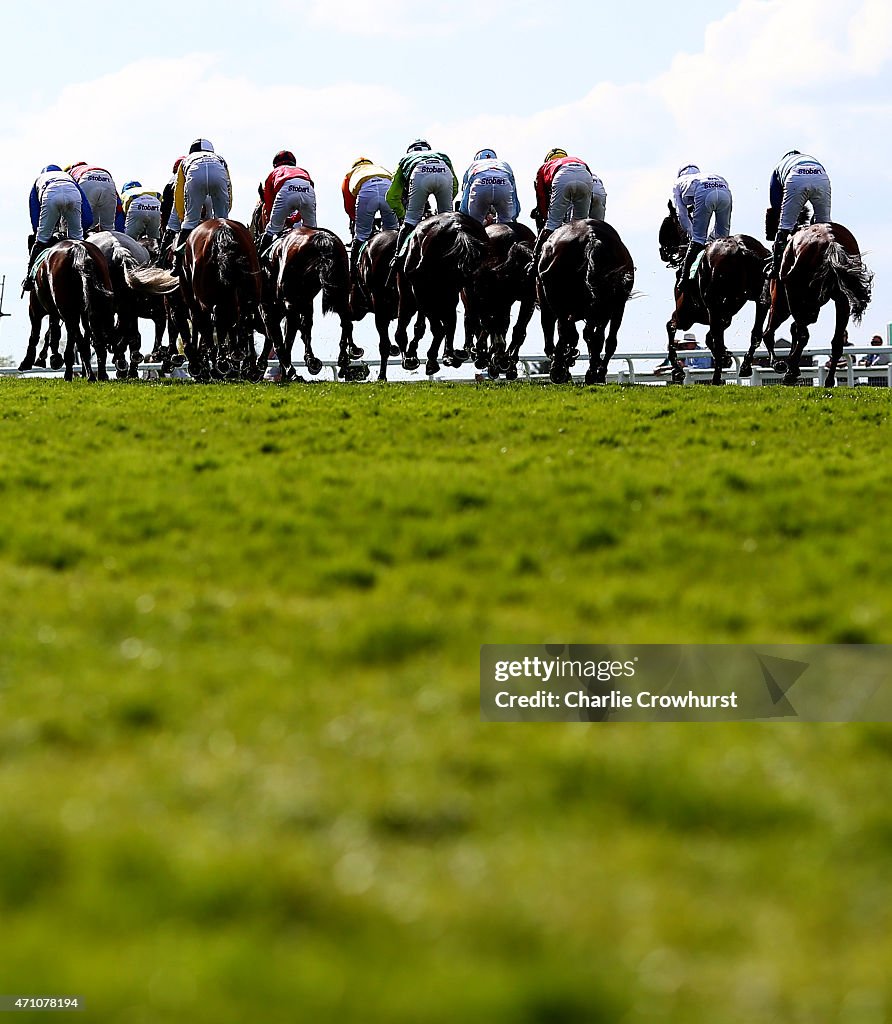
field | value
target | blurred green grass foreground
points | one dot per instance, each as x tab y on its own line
243	775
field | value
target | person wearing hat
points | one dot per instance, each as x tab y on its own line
142	211
364	189
421	173
203	182
489	184
55	200
699	200
99	187
287	192
798	179
565	187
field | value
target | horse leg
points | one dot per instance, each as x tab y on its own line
548	320
401	335
41	359
36	314
746	366
273	324
836	343
612	340
568	338
449	321
519	335
432	366
677	368
594	340
715	341
382	325
799	337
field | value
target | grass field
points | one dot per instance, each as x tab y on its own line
242	771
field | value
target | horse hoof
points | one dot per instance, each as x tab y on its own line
745	370
25	365
791	378
56	362
431	367
37	362
394	351
492	371
460	355
779	366
727	361
716	383
353	374
355	352
177	360
410	363
314	365
591	377
481	362
120	374
511	373
102	375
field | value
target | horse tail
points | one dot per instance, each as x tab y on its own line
468	252
612	284
148	280
92	285
852	278
232	261
333	275
518	256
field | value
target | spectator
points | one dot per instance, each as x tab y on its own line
876	359
687	344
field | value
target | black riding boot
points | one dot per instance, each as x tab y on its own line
537	252
36	250
401	236
355	246
684	283
266	243
780	243
179	249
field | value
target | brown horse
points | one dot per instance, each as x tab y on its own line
303	262
443	255
821	264
502	280
585	273
220	281
73	287
376	292
728	275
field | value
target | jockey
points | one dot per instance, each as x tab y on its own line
99	188
565	185
489	182
55	199
142	211
796	180
699	197
202	181
288	190
364	189
422	172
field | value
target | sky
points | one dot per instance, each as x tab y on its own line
636	90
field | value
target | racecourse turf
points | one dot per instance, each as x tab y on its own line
242	772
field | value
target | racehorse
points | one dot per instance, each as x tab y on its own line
443	255
502	280
72	286
139	291
729	274
821	263
376	292
300	264
585	273
220	281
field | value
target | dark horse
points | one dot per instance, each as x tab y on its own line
220	281
821	264
73	287
376	292
443	255
729	274
585	273
502	280
303	262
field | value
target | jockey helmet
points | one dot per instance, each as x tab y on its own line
51	167
418	145
284	156
485	154
792	152
201	146
77	163
553	154
177	162
360	160
132	184
687	169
